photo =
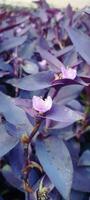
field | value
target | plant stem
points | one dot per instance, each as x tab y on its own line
27	187
35	129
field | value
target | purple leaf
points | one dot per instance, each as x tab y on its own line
21	19
85	159
63	51
22	31
87	10
69	12
75	195
70	59
3	73
16	131
30	67
12	43
68	93
43	43
64	131
65	81
35	82
12	113
51	59
50	124
7	142
63	114
11	178
4	66
81	181
74	149
34	177
54	195
59	159
41	13
81	42
26	105
16	162
75	105
42	3
13	22
27	49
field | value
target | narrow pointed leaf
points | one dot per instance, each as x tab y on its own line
34	82
30	67
52	152
63	114
12	43
11	178
68	93
12	113
75	195
81	181
7	142
50	58
85	159
81	42
5	66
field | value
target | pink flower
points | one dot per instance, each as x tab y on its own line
43	63
68	73
41	105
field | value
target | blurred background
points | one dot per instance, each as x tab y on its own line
56	3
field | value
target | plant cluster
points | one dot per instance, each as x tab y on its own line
45	101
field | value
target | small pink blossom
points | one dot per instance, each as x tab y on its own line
41	105
68	73
43	63
59	16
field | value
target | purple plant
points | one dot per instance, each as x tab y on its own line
45	102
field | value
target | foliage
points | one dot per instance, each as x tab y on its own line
45	101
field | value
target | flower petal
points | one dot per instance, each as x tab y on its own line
41	105
69	73
48	103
